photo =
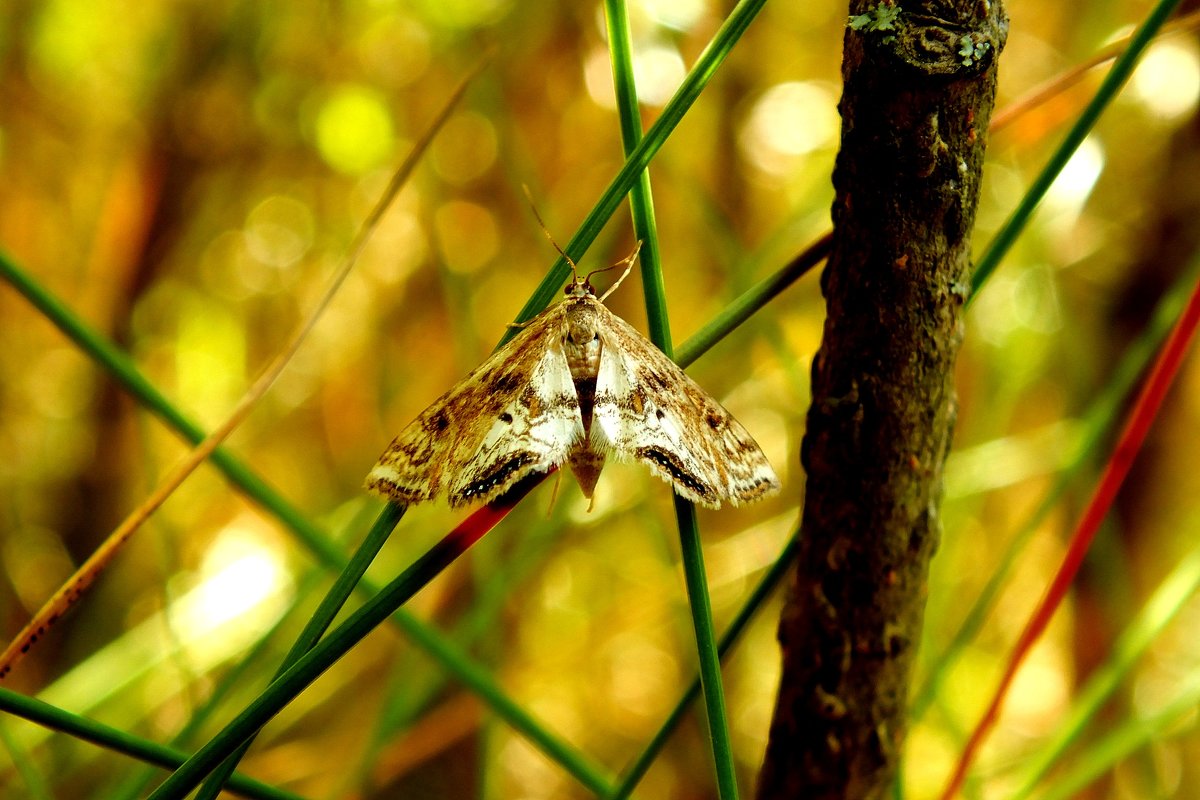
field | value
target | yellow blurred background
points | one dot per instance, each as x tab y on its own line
185	176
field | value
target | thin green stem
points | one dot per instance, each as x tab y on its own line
710	662
641	199
636	162
1160	610
342	639
1106	752
317	624
34	785
751	301
119	741
1099	421
762	591
660	334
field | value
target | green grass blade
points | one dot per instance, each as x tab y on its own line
710	663
1130	737
452	658
34	785
1165	604
750	301
312	664
113	739
673	112
660	333
762	591
641	199
402	708
320	621
1099	421
1122	68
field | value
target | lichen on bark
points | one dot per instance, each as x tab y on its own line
915	108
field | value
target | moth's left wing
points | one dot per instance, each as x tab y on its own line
514	415
646	408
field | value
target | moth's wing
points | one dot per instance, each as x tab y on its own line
515	414
648	409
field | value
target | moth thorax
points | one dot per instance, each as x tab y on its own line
581	344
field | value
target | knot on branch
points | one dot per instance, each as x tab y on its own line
945	39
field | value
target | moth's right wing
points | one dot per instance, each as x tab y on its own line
514	415
647	409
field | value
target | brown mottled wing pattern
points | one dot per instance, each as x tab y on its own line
648	409
515	414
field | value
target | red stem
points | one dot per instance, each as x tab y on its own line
1132	437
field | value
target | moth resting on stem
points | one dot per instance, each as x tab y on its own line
577	384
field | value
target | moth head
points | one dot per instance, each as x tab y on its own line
581	286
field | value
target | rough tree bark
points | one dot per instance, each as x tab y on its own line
919	83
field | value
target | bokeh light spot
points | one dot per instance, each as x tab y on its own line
788	121
1073	185
279	231
467	236
1167	81
465	148
657	72
240	573
354	130
680	15
210	356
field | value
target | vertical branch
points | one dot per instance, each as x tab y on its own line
918	94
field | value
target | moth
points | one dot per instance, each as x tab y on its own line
576	385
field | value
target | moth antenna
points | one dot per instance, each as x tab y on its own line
545	230
627	261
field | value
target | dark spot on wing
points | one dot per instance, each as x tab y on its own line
401	494
439	422
675	469
752	490
496	477
715	421
654	380
503	384
658	412
506	417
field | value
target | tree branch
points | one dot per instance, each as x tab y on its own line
919	88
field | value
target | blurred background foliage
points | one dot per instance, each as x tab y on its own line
185	176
